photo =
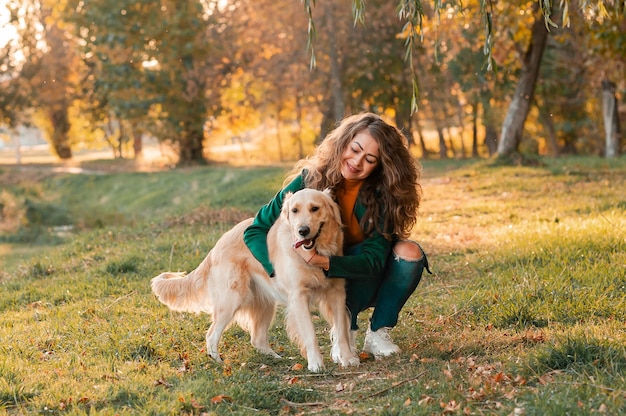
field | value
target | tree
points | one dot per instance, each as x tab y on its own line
18	64
611	120
513	126
55	80
412	12
155	57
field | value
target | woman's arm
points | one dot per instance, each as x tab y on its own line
368	263
255	235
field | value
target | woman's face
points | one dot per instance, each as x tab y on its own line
361	156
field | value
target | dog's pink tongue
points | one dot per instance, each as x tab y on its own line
301	242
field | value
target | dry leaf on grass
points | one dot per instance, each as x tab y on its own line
220	399
451	407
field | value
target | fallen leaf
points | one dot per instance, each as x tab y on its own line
425	400
407	402
450	407
340	387
220	399
342	403
293	380
511	394
196	405
297	367
161	382
499	377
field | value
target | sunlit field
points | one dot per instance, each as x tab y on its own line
525	312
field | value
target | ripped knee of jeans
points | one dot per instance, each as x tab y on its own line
407	250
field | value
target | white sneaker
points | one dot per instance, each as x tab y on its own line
379	344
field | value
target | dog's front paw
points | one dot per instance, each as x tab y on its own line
352	361
316	365
215	356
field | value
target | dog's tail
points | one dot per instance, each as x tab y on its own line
184	292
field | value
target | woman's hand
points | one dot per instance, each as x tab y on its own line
312	258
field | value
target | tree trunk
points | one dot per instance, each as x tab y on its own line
491	134
513	125
299	123
455	153
546	120
328	122
121	140
475	129
420	134
137	144
279	142
491	139
443	148
403	121
60	128
611	119
191	146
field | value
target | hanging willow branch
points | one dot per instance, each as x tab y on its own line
308	8
411	13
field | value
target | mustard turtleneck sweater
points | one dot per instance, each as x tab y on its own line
346	198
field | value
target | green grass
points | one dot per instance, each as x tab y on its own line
525	313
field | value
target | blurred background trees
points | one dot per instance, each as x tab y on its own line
203	75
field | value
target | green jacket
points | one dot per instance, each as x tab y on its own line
369	263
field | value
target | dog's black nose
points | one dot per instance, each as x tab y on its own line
304	231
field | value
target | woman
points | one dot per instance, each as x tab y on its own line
366	163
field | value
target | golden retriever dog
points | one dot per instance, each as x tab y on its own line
231	285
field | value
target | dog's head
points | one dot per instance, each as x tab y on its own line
311	214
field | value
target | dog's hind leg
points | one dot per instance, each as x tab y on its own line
222	317
301	330
260	320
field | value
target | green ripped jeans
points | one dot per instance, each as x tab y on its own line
387	294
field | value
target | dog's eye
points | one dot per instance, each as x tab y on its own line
314	209
294	210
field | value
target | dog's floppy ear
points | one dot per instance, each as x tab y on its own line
332	206
329	192
285	209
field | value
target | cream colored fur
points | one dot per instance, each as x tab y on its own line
231	285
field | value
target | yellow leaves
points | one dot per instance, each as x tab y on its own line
269	51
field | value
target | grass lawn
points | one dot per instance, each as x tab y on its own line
525	313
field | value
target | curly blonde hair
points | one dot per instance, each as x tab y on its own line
392	189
